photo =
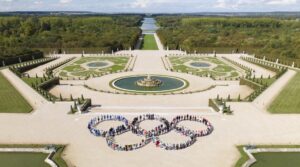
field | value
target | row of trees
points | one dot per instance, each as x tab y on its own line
271	37
18	33
14	55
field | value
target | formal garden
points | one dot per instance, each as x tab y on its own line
204	66
94	66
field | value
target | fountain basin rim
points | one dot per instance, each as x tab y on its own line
185	84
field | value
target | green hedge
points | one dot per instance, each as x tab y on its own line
20	57
213	105
86	104
49	71
33	65
18	69
250	83
49	83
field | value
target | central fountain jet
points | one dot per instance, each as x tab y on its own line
149	82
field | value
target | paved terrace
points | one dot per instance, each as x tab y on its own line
50	124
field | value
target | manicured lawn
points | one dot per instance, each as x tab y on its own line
288	101
78	69
219	69
23	159
11	101
267	81
31	81
149	43
277	160
274	159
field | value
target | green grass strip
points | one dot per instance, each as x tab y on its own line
274	159
27	159
22	159
11	101
288	101
149	43
277	159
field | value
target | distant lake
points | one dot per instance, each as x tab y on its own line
149	25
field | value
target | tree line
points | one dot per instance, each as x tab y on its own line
104	33
270	37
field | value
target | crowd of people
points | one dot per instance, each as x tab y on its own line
150	135
129	147
92	126
189	132
159	130
175	146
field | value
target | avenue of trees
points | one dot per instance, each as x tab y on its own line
270	37
23	34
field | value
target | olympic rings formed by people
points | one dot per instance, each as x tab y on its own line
112	131
199	133
151	135
115	146
159	130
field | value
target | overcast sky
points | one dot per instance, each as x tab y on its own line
151	6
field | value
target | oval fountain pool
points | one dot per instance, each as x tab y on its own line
97	64
200	64
166	84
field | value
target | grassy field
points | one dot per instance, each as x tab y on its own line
271	159
221	69
79	68
288	100
11	101
21	159
277	159
149	43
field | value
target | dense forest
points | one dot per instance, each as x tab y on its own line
20	34
270	37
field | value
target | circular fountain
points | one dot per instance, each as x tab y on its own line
149	82
200	64
97	64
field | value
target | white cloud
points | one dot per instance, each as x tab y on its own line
281	2
140	3
7	1
221	4
169	6
38	2
226	4
65	1
251	3
149	3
